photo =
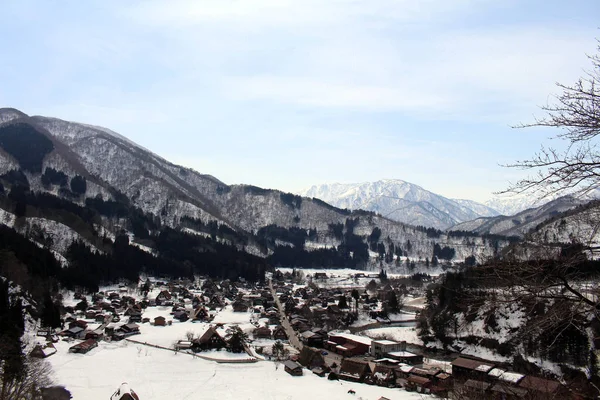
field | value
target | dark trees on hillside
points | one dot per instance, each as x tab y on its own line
26	145
54	177
12	362
444	253
78	185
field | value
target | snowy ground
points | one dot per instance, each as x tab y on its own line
409	334
158	374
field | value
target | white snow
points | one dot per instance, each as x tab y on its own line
156	374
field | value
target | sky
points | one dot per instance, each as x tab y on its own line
286	94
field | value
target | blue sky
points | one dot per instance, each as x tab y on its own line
285	94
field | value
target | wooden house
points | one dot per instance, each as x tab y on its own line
542	387
43	351
467	368
293	368
354	371
163	297
84	346
262	332
76	332
418	383
311	358
160	321
383	375
279	333
209	340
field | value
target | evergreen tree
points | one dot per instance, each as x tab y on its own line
342	303
393	303
237	340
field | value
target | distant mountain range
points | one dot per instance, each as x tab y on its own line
401	201
521	223
63	182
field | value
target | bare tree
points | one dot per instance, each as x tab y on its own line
577	168
36	375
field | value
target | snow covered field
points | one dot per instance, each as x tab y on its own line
160	374
409	335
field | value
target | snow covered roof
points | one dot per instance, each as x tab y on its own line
402	354
354	338
484	368
387	360
124	392
385	342
505	376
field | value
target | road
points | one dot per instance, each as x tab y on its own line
293	339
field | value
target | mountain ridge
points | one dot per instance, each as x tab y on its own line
402	201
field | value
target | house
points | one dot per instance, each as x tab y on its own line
474	389
240	306
199	314
130	328
320	275
183	345
126	331
84	346
209	340
181	315
293	368
418	383
76	332
124	392
541	387
380	348
406	357
163	297
311	358
467	368
43	351
80	323
383	375
311	338
279	333
354	371
347	344
262	333
95	334
160	321
215	302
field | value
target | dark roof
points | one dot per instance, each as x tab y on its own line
539	384
354	369
508	389
210	332
419	380
468	363
478	385
292	365
86	344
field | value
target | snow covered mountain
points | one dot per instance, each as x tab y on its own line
121	175
401	201
514	205
521	223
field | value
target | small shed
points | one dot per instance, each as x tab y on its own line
43	351
293	368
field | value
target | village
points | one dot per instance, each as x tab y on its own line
332	326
